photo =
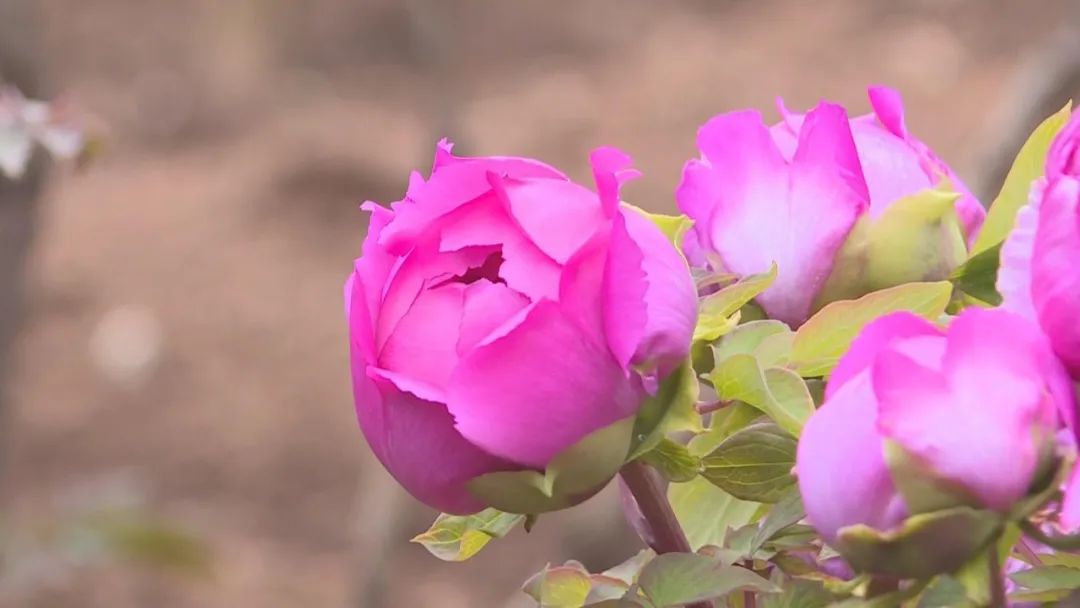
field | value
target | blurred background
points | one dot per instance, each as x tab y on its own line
176	426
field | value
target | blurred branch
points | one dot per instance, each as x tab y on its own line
20	65
1045	80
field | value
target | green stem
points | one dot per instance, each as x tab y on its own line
997	579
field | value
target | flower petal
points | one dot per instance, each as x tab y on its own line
1055	279
1014	273
423	345
977	433
557	216
670	297
421	448
575	387
487	306
841	436
873	339
625	286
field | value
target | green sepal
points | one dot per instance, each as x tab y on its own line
573	475
923	546
671	409
916	239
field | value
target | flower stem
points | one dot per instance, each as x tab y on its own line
1064	542
997	579
648	490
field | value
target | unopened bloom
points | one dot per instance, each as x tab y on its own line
970	412
501	313
795	194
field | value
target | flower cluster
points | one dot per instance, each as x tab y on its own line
865	381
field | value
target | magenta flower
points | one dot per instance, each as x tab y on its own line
792	193
500	313
972	409
1039	275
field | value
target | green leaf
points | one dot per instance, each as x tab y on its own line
565	586
822	340
799	594
778	392
1048	578
1061	558
724	423
673	461
674	227
574	474
945	592
706	512
789	511
456	538
669	411
1029	165
977	277
765	340
715	313
677	579
753	464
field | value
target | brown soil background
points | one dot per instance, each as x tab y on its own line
242	135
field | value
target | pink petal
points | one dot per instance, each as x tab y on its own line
421	449
423	345
893	170
670	297
841	467
539	389
487	306
1014	273
581	288
454	182
875	337
1064	155
558	216
978	433
625	286
611	169
888	106
827	194
1055	280
525	268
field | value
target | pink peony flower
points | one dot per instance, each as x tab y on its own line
792	193
500	313
971	412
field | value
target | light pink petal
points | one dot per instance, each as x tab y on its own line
786	132
624	290
670	297
611	169
977	433
539	389
872	340
696	197
826	195
558	216
1014	273
421	448
1055	279
1064	155
840	465
423	345
487	306
893	170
